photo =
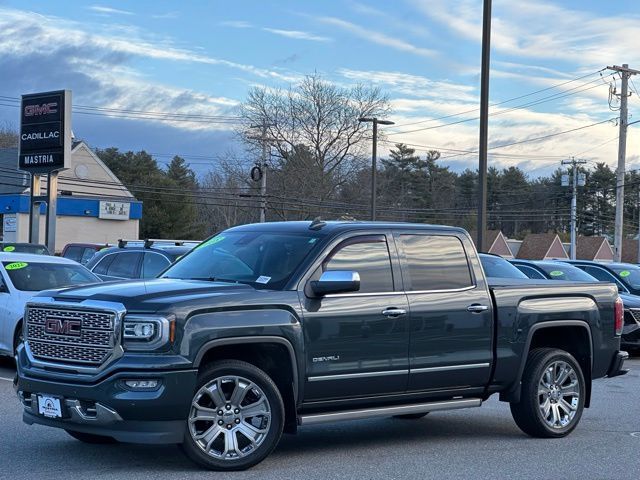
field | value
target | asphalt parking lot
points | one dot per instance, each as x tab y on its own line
477	443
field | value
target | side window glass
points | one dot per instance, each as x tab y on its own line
101	267
367	255
153	264
124	265
436	262
73	253
87	255
531	272
604	276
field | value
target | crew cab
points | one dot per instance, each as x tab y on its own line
268	327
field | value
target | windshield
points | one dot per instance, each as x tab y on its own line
498	267
34	277
629	275
567	273
25	248
261	259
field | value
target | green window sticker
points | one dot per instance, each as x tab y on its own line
556	273
9	248
16	265
625	273
212	241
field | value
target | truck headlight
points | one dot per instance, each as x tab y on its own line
146	332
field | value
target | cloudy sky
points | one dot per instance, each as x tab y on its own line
201	57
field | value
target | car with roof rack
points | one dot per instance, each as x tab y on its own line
266	327
133	259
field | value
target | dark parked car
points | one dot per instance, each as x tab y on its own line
34	248
82	252
560	270
137	259
266	327
497	267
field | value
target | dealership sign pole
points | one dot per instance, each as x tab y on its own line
45	149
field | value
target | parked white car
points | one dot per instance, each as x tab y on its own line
24	275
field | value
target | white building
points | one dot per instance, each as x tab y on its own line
93	205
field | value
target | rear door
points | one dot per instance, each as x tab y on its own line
357	343
451	320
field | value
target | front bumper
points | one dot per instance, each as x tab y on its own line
617	363
108	407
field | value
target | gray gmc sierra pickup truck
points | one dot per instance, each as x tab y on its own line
263	328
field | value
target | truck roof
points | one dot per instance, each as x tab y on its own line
333	227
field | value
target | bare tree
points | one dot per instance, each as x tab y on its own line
314	131
8	136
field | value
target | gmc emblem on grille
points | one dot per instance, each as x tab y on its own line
59	326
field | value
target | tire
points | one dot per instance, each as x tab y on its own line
412	416
18	337
91	438
553	393
242	417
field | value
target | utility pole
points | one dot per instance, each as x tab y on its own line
484	126
574	199
262	168
374	159
625	73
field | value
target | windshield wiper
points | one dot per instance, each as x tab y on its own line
213	279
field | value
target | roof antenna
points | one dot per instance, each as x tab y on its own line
317	224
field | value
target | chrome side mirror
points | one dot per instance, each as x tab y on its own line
336	281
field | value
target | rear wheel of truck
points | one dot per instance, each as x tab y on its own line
553	393
91	438
236	417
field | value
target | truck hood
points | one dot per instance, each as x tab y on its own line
146	295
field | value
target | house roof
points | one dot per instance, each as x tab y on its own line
587	248
538	246
629	251
491	236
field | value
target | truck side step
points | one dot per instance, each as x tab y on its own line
316	418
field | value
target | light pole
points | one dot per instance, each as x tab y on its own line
374	158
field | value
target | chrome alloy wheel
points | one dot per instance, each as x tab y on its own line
230	417
558	394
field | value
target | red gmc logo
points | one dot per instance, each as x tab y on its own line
44	109
59	326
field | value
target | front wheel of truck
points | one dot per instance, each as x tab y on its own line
236	417
553	393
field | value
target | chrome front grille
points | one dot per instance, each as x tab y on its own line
90	344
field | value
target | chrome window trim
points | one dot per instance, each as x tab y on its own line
115	308
446	368
347	376
400	292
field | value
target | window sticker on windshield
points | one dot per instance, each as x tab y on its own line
9	248
625	273
263	279
15	265
212	241
556	273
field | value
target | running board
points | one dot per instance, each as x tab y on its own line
316	418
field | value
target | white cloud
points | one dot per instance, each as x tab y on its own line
108	10
377	37
297	34
236	24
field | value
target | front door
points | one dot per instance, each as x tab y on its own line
357	343
451	313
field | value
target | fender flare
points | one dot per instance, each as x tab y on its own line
220	342
513	394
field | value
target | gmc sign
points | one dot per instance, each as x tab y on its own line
63	326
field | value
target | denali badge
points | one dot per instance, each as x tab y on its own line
59	326
331	358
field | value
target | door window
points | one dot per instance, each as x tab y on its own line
153	264
603	276
531	272
124	265
435	262
367	255
101	267
73	253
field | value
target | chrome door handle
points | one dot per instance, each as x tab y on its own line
394	312
477	308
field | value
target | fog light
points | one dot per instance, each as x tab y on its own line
141	384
